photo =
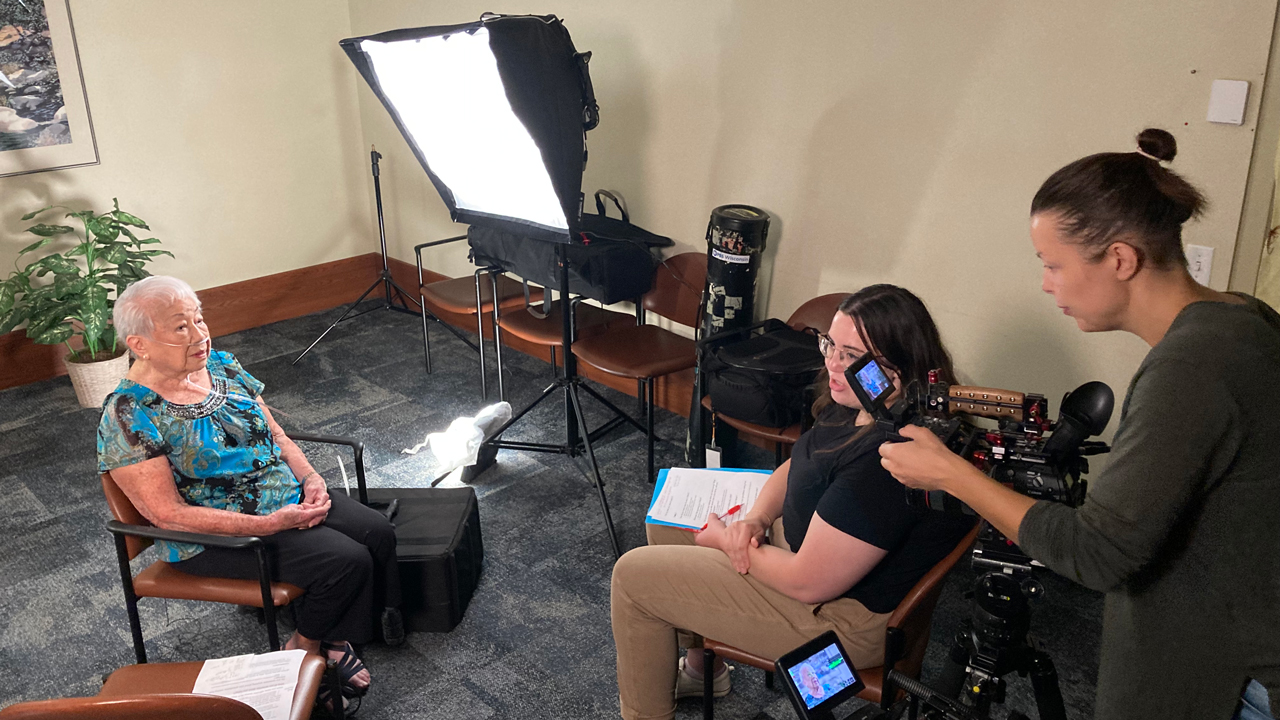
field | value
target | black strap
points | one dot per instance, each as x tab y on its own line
617	202
590	108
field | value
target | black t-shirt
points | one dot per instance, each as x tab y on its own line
840	477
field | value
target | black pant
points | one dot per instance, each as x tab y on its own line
346	565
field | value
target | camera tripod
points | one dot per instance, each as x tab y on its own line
384	280
997	643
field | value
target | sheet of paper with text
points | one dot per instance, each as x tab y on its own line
688	495
263	682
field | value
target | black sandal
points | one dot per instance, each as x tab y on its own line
348	666
325	699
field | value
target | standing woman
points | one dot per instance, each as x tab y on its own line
1182	528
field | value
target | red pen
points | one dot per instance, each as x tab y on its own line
731	511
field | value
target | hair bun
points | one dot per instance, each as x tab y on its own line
1158	144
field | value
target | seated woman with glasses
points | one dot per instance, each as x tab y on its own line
853	546
189	440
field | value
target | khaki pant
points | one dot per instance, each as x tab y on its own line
674	585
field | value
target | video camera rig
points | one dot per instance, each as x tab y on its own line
1036	457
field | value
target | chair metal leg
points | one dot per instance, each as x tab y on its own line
484	388
130	599
648	422
555	368
777	455
497	337
768	680
708	684
333	679
426	338
268	602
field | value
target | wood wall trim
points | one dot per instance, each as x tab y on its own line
252	303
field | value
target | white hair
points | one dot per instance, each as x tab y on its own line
134	307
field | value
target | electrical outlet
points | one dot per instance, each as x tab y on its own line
1200	263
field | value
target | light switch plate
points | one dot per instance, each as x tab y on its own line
1227	101
1200	263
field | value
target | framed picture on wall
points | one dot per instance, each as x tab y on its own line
44	111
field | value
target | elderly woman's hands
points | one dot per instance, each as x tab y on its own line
314	490
299	517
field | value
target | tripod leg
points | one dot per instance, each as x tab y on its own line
595	468
359	300
405	299
953	671
1044	680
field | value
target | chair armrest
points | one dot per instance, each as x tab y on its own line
417	249
155	533
357	447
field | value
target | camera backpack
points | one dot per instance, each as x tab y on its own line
764	378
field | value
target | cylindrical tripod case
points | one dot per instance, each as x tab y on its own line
735	242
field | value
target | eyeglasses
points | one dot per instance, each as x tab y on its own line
828	348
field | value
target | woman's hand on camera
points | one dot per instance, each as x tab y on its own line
923	463
733	540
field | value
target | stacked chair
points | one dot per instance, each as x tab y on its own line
644	352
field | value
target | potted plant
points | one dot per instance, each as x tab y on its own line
76	302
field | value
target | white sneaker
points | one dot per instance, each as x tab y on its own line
689	686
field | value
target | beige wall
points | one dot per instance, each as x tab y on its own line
231	127
893	142
896	142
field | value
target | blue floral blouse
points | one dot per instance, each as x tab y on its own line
220	449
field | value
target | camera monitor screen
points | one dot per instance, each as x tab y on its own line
819	676
869	382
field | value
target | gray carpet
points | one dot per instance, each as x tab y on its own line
535	642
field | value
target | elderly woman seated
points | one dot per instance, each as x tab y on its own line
188	438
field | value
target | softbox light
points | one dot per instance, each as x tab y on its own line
494	112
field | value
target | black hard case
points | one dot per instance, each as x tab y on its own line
440	553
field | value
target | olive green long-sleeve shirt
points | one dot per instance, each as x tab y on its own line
1182	529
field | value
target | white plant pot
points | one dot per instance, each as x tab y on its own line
94	381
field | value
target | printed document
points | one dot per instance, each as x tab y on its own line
683	497
263	682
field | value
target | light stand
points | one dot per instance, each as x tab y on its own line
577	436
384	278
496	112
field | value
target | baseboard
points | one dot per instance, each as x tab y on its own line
252	303
227	308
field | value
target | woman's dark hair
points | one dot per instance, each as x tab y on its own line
894	324
1125	197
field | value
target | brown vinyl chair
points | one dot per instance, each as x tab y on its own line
912	619
134	533
817	314
645	352
545	326
467	296
162	691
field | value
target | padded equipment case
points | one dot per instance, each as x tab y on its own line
763	378
439	550
613	262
